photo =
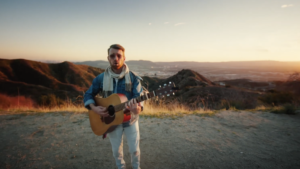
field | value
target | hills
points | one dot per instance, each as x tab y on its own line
67	80
198	91
35	79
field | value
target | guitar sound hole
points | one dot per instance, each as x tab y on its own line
111	117
111	110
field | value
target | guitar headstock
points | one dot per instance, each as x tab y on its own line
166	90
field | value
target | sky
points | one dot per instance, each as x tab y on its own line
154	30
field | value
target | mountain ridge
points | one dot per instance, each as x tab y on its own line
54	78
68	80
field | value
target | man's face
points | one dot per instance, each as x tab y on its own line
116	58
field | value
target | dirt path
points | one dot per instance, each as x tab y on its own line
225	140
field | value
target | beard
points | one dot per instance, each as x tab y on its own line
117	65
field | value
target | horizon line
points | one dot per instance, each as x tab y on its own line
57	61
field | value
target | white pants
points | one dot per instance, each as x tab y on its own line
132	134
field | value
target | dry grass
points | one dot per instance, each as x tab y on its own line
282	109
172	109
15	101
151	108
21	104
31	110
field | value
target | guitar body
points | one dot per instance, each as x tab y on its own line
102	125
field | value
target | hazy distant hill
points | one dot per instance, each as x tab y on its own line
35	78
246	83
132	63
263	65
97	63
265	71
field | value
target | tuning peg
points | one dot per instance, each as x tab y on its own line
170	82
165	84
173	93
159	86
168	95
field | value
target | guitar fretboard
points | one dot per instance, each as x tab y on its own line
166	90
139	99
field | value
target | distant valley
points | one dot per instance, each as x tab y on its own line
215	71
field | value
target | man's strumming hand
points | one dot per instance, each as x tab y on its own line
102	111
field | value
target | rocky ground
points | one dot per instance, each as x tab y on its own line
225	140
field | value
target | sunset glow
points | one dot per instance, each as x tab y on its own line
159	30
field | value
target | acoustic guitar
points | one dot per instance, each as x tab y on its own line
115	105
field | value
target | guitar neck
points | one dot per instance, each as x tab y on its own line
139	99
166	90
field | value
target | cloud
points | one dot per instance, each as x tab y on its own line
178	24
166	23
286	5
150	24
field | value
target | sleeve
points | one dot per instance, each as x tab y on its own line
137	88
89	95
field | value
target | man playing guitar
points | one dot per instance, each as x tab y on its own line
118	79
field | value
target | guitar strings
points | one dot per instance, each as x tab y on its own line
138	99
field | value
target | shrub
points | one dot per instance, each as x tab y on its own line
272	91
289	109
227	86
50	100
285	109
237	104
224	104
276	98
15	101
48	103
